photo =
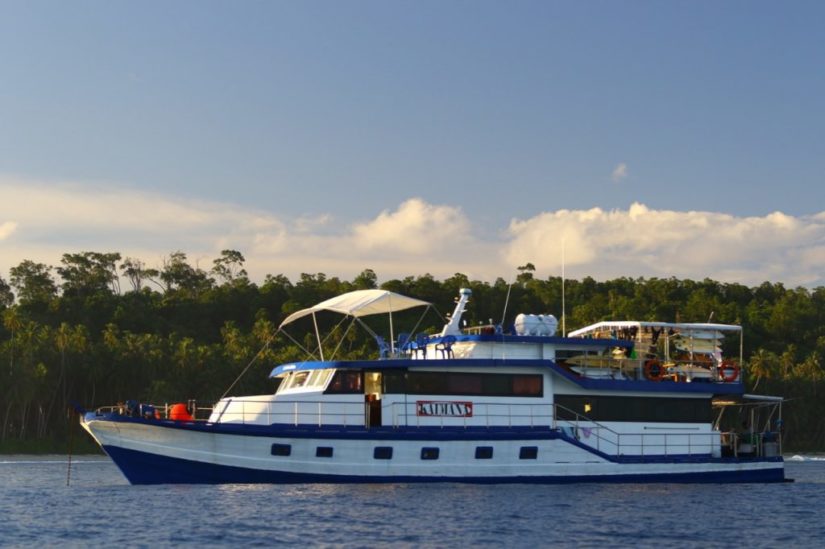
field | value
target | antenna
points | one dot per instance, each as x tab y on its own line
563	316
506	302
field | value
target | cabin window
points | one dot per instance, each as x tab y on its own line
429	453
394	381
427	383
474	384
382	452
284	384
323	377
464	385
313	377
564	354
647	409
527	385
484	452
281	449
528	452
498	385
298	379
345	382
323	451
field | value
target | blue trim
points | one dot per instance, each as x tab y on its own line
341	432
735	388
423	434
144	468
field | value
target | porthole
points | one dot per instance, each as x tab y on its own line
281	449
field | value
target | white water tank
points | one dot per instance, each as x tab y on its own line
536	325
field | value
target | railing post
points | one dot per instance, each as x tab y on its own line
319	414
295	412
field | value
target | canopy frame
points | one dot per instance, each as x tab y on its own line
358	304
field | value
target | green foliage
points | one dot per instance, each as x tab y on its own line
6	295
34	284
180	332
89	273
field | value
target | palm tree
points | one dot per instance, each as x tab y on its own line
13	323
762	365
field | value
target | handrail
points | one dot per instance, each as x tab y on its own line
585	431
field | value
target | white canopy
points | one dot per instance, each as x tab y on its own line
360	303
681	326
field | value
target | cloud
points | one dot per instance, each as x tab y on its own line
413	228
414	238
664	243
619	172
7	228
305	224
58	218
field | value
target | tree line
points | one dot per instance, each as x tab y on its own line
98	329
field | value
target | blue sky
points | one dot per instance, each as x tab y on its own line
415	137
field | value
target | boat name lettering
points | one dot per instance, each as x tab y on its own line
443	409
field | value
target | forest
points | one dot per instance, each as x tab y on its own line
98	329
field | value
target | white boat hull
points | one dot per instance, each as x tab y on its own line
151	452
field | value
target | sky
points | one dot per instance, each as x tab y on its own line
608	138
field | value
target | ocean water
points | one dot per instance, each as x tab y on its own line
100	508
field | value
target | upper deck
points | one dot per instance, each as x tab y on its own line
629	355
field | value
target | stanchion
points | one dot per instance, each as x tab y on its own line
69	466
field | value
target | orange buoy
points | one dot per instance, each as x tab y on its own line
178	412
729	371
653	370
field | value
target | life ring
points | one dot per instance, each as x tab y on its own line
729	371
654	370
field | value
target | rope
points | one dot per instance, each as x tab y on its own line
251	362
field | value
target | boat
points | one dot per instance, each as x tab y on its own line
611	402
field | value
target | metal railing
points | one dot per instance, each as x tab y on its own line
652	441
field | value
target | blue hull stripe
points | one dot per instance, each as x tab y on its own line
423	434
144	468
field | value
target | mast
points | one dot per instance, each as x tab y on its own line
453	327
563	315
